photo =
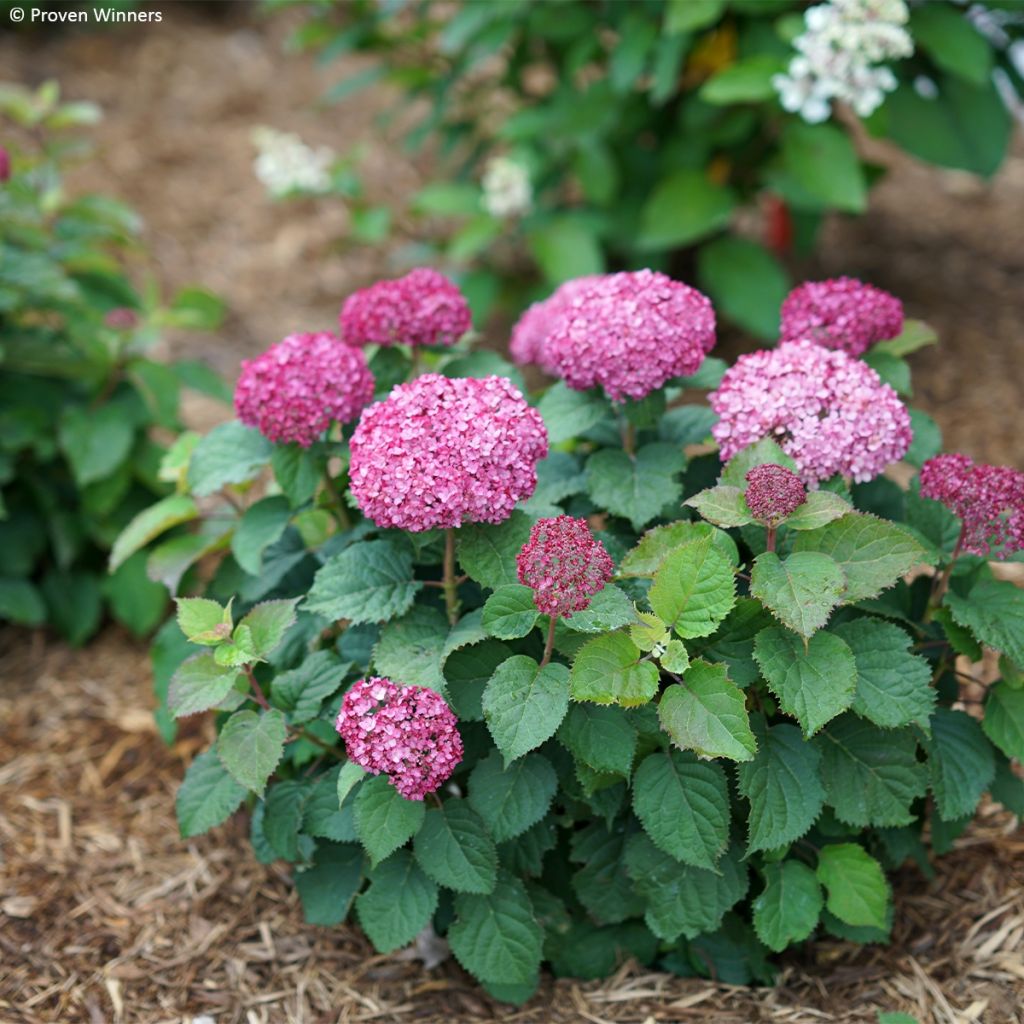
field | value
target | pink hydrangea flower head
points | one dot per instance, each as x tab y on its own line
298	387
5	165
440	452
629	333
841	313
829	412
528	343
407	732
564	565
774	492
989	501
422	308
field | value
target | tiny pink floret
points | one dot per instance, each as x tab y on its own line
405	732
628	334
829	412
989	501
841	313
298	387
528	343
442	451
564	564
774	492
422	308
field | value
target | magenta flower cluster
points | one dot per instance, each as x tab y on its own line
773	492
294	390
828	411
422	308
407	732
564	565
528	343
989	501
626	333
440	451
841	313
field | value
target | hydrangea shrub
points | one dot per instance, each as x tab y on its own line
564	681
85	412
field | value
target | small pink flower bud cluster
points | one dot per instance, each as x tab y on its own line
564	565
407	732
122	318
773	492
5	165
294	390
989	500
528	343
422	308
440	451
828	411
626	333
841	313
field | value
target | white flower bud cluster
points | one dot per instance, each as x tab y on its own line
838	57
284	163
507	189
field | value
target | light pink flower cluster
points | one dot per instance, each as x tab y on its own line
773	492
422	308
564	565
294	390
628	333
528	343
407	732
439	451
842	313
828	411
989	500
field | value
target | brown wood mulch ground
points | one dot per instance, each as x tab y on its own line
107	917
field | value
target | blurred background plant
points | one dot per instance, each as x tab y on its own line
85	413
708	138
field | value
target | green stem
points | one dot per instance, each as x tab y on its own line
941	582
450	584
257	691
628	437
549	644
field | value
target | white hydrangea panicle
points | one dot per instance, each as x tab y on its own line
839	57
284	163
507	188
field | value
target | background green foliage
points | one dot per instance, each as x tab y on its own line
83	410
648	128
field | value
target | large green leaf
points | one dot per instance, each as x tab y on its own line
746	282
231	453
261	525
398	904
251	744
601	737
788	908
961	762
952	41
857	890
384	819
267	623
371	581
524	704
723	505
683	805
994	612
496	936
487	553
609	670
151	522
815	679
821	160
566	247
783	785
208	795
873	553
568	413
655	545
329	885
455	849
198	685
732	643
707	714
96	441
800	590
893	686
510	612
1004	719
639	487
511	799
694	589
301	691
410	648
609	609
872	776
684	206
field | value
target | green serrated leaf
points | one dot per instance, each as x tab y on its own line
647	557
733	642
683	805
819	509
567	413
788	908
487	553
601	737
524	704
609	609
723	505
636	487
384	819
323	815
510	612
511	799
707	714
231	453
608	670
815	679
994	612
301	691
329	885
871	776
800	591
260	526
267	624
1004	719
208	795
410	648
349	776
455	849
251	744
694	589
757	454
783	785
203	621
398	904
858	893
872	553
961	762
198	685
